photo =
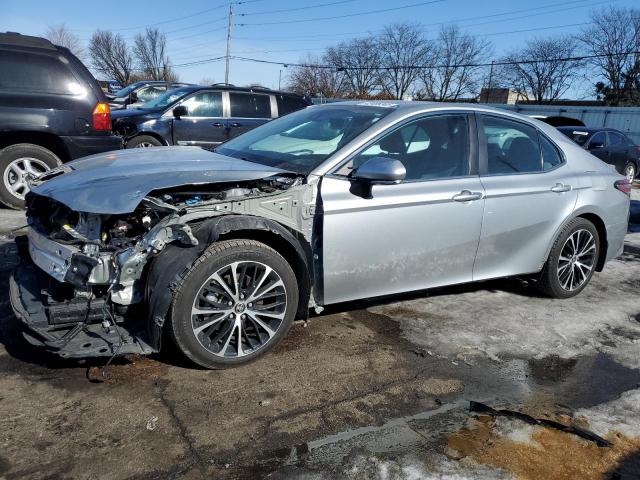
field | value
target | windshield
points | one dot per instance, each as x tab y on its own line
303	140
578	136
166	98
127	90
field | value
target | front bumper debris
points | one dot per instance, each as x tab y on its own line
69	328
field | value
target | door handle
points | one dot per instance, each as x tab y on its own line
559	188
218	124
236	124
467	196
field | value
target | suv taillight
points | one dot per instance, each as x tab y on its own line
102	117
623	185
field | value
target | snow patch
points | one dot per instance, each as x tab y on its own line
621	415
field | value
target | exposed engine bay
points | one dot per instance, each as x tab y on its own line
107	288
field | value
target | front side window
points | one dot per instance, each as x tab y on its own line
512	147
430	148
302	140
204	104
249	105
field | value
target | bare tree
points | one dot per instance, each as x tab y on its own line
403	47
451	71
539	71
150	53
614	33
61	35
314	80
111	56
359	60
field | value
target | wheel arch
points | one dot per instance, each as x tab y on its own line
166	270
51	142
155	135
598	223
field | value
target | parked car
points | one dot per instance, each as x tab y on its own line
138	93
202	116
110	86
51	110
610	146
223	250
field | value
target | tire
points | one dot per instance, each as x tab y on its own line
215	344
143	141
630	171
555	279
17	163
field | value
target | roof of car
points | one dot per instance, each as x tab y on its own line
19	40
229	87
588	129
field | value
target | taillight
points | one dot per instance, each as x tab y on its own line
102	117
623	185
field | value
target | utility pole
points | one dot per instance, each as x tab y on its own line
490	83
226	70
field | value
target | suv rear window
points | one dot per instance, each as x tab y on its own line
288	104
36	73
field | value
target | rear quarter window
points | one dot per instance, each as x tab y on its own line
32	72
288	104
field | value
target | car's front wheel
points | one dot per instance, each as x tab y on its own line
143	141
236	303
18	164
572	260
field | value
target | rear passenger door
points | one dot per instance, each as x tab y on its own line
204	125
247	111
529	191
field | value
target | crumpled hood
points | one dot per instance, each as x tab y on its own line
116	182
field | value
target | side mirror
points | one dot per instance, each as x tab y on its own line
133	97
380	170
596	145
180	111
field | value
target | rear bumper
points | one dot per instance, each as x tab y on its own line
70	327
81	146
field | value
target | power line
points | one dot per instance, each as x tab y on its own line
429	67
307	7
348	15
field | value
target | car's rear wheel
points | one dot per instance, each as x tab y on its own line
572	260
18	164
236	303
630	171
143	141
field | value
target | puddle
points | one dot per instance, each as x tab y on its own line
583	381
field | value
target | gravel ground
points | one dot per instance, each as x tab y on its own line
366	390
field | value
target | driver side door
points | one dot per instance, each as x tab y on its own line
380	239
204	125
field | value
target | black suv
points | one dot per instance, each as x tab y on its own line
141	92
205	116
610	146
51	110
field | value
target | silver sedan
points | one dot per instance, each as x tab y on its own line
325	205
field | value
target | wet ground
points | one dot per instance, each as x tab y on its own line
366	390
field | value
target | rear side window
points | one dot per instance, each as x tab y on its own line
249	105
288	104
512	147
551	157
616	140
31	72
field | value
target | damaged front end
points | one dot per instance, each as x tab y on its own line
84	286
